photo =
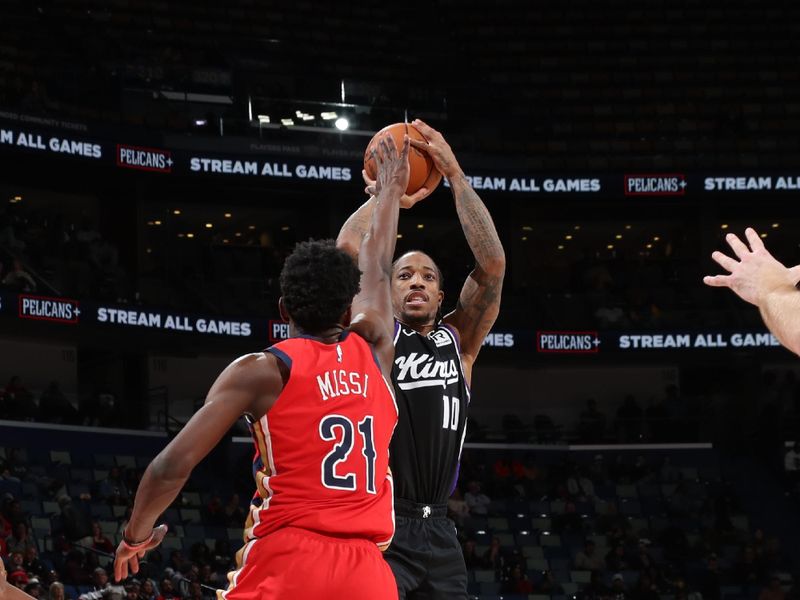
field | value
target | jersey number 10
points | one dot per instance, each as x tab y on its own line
341	450
450	414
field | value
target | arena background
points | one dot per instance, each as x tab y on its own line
159	160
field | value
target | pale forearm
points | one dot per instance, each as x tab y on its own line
780	310
355	228
158	489
377	248
478	226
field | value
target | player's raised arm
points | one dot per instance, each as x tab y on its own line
373	317
479	302
758	278
249	385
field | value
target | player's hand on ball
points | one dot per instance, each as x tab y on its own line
437	148
393	169
127	556
405	202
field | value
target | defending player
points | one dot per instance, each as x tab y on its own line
431	376
321	413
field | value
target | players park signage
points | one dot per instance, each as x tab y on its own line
242	158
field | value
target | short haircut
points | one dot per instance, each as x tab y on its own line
439	275
318	284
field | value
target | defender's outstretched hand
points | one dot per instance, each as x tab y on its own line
128	555
755	274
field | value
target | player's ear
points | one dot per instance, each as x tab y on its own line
441	298
347	317
282	310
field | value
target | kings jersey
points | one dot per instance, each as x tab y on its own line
432	397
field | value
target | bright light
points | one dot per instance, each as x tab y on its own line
180	235
399	236
156	222
285	228
263	119
649	246
524	238
618	236
561	246
189	235
420	225
656	238
200	122
209	225
763	235
328	116
342	124
228	215
567	237
723	226
776	225
226	241
287	122
307	117
149	250
627	226
610	246
527	228
238	234
577	227
177	211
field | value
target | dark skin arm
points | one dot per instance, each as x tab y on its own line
372	307
479	302
249	385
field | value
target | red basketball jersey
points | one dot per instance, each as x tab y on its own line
322	451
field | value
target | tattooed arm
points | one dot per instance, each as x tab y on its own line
479	301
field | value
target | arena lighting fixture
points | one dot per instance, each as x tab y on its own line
226	241
399	236
543	515
180	235
627	226
15	200
561	246
723	226
524	533
656	238
285	228
189	235
209	225
342	124
618	236
520	515
308	117
228	215
150	223
200	122
545	533
610	247
527	228
480	532
420	225
149	250
524	238
567	237
263	119
287	122
763	235
649	246
251	227
177	211
329	116
577	227
776	225
238	234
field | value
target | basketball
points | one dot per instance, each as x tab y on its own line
423	173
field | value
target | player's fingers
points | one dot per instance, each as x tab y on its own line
386	149
421	144
717	280
424	128
133	562
754	239
724	261
406	144
120	568
738	246
420	194
367	180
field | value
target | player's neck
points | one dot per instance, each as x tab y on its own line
421	328
329	335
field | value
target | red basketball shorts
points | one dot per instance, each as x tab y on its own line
295	564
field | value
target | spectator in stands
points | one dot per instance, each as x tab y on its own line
710	580
102	589
167	591
75	522
18	279
457	507
195	591
476	500
33	588
113	486
215	512
17	401
517	582
100	541
645	589
617	559
548	585
618	588
580	486
643	561
592	423
148	590
471	558
493	557
594	590
791	465
588	559
773	591
234	513
20	540
32	563
56	592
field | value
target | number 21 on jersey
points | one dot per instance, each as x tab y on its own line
339	429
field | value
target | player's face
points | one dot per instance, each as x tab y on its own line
416	296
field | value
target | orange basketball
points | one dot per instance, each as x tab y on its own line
423	173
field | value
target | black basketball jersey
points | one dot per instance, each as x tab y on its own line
432	399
